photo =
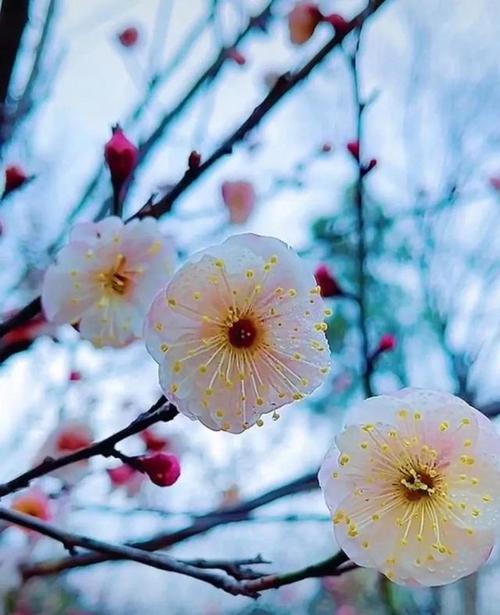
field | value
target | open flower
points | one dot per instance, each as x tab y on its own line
69	437
239	332
413	484
106	277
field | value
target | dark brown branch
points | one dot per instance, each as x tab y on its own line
203	523
13	20
164	562
26	101
162	410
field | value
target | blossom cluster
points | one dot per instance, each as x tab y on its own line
238	332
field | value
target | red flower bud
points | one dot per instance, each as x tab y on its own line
194	160
387	343
163	469
74	376
236	56
354	149
129	37
327	283
15	177
154	441
338	22
121	156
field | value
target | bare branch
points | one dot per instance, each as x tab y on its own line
160	561
203	523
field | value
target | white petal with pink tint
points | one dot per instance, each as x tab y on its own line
239	332
413	485
106	278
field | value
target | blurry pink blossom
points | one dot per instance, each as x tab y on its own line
154	441
34	503
69	437
303	21
239	332
106	277
239	198
126	478
413	486
495	182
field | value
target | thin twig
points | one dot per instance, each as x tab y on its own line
162	410
155	560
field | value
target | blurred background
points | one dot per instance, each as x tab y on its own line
414	284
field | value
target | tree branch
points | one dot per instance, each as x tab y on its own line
201	524
285	83
160	561
162	410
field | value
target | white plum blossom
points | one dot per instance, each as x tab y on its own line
238	332
106	278
413	485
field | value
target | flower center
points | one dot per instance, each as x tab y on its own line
418	484
242	333
117	279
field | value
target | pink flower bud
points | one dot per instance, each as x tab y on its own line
354	149
338	22
129	37
303	21
163	469
327	282
194	160
154	441
236	56
239	198
387	343
121	156
75	376
121	475
15	177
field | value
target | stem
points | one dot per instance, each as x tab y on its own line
367	366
